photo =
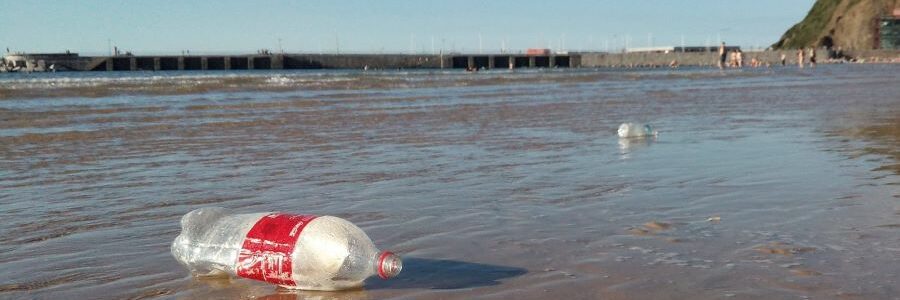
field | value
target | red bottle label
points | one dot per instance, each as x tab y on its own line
266	253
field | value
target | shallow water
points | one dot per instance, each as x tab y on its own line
774	184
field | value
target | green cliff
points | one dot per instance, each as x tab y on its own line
849	24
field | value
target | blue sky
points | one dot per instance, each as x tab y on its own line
170	26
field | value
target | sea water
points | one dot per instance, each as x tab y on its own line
768	183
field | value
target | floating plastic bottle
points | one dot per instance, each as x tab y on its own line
294	251
630	130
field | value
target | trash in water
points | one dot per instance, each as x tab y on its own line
631	130
294	251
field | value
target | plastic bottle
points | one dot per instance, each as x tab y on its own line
629	130
294	251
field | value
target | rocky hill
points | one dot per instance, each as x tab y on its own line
849	24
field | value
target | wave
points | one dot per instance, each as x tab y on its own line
103	84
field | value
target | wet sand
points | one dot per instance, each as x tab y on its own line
763	184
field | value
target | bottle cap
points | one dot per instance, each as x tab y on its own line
389	265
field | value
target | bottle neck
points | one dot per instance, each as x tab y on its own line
388	265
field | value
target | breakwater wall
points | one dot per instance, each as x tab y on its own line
74	62
875	56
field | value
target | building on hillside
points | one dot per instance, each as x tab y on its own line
889	31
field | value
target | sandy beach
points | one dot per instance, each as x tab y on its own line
769	183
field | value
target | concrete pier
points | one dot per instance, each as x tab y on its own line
317	61
74	62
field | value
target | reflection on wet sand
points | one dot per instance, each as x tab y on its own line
883	136
627	145
442	274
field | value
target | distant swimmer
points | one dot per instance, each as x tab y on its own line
723	55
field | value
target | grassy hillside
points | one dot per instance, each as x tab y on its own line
808	31
849	24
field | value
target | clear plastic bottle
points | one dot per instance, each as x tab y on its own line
294	251
629	130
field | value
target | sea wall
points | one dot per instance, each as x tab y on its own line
604	60
73	62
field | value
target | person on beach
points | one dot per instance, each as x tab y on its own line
722	56
800	57
739	55
783	59
812	57
732	62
